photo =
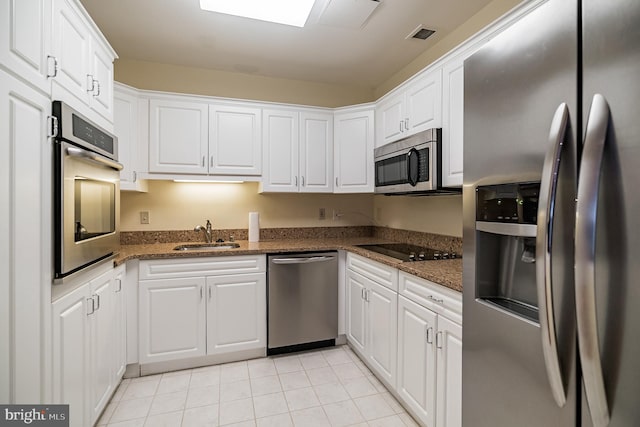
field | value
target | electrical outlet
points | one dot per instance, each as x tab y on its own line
322	214
144	217
336	215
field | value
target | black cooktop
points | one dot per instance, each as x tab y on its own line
406	252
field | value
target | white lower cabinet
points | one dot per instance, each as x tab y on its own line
408	331
417	359
204	306
430	351
236	313
372	317
172	319
85	361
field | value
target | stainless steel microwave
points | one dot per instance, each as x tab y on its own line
86	192
410	165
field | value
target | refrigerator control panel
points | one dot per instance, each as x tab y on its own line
511	203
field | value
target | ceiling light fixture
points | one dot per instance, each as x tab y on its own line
288	12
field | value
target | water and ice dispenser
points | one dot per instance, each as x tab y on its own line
506	217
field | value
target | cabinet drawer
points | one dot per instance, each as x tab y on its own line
206	266
373	270
431	295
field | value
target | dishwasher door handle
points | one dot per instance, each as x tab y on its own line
302	260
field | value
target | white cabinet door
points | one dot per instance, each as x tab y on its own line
125	113
316	152
119	325
382	307
280	157
25	245
24	44
101	97
390	119
102	350
172	319
71	353
236	313
453	122
353	155
424	103
235	140
356	310
417	359
449	343
178	137
71	47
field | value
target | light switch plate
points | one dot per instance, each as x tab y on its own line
144	217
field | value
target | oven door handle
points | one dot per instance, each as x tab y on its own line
88	155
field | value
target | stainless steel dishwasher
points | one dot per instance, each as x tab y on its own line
303	301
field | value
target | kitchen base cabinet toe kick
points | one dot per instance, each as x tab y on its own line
201	311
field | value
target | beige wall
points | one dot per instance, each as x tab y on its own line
477	22
200	81
431	214
182	206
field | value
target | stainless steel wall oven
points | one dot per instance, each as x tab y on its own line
86	192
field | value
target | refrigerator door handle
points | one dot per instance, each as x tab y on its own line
544	235
586	216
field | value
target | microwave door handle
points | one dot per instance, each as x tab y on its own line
88	155
586	219
544	237
412	176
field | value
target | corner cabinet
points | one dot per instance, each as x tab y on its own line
412	109
129	117
191	307
353	150
298	151
190	136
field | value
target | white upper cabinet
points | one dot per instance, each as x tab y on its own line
25	40
411	109
353	151
128	113
83	63
235	140
190	136
280	133
453	122
316	152
178	136
298	151
101	95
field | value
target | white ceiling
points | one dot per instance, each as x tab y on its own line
179	32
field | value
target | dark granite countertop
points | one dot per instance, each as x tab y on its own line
445	272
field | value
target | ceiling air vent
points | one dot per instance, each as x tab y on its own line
421	33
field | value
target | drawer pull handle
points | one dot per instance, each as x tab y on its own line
436	300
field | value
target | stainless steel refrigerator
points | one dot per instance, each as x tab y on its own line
551	196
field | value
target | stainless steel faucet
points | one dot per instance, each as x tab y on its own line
208	232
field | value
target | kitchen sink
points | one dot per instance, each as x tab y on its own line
207	246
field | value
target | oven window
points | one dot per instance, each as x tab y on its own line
394	170
95	208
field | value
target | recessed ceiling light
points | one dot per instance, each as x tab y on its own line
288	12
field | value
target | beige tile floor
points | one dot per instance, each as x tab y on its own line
330	387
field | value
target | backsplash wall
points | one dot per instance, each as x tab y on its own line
182	206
